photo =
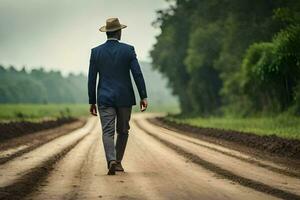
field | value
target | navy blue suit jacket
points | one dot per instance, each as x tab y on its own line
113	61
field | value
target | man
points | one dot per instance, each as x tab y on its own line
113	61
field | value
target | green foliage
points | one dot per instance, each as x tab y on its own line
170	50
271	71
160	97
204	83
42	87
296	108
39	86
234	56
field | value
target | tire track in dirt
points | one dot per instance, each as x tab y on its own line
221	171
237	155
63	181
33	141
95	184
15	184
154	171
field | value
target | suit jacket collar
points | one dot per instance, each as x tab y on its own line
112	40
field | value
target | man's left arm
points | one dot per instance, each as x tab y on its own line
92	78
139	80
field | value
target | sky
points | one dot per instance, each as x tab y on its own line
59	34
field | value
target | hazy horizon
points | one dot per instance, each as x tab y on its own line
58	35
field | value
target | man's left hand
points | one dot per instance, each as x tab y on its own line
143	105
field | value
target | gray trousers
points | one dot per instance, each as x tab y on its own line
108	117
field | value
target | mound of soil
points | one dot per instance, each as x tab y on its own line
273	144
10	130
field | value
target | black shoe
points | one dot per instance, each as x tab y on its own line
112	168
119	167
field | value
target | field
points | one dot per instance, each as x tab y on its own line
172	109
18	112
282	126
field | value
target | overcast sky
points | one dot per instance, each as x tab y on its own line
58	34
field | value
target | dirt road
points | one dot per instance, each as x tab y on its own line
159	164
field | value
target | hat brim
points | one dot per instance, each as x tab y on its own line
104	29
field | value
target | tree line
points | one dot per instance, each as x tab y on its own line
231	56
39	86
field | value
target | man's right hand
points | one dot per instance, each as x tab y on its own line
93	109
143	105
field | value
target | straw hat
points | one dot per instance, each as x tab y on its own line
112	24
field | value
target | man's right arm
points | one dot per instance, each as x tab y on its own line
92	78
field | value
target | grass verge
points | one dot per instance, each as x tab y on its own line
35	112
281	126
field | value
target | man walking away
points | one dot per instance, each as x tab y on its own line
112	61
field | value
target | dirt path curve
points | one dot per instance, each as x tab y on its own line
154	170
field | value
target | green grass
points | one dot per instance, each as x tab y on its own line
33	112
172	109
282	126
18	112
